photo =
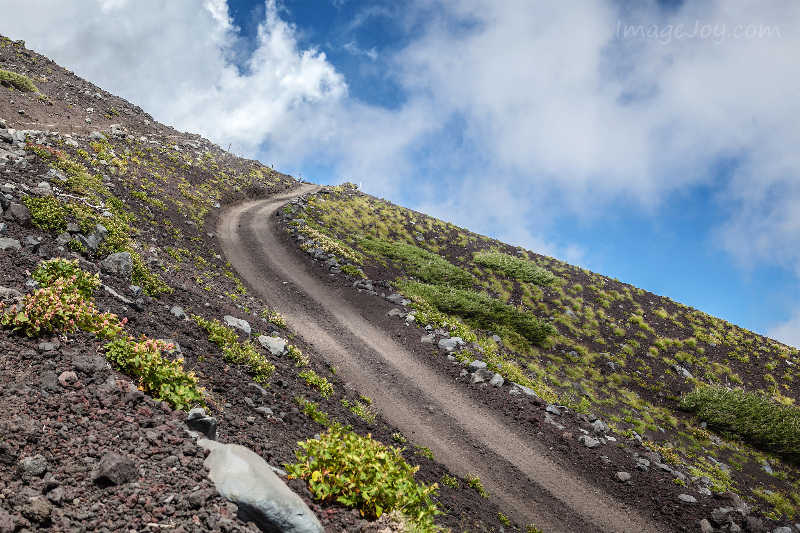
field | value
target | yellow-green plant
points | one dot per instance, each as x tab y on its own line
166	380
361	409
324	387
361	472
752	416
47	213
18	81
299	358
516	267
475	483
234	351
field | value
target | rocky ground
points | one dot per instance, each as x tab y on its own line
83	449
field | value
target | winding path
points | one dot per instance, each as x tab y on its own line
464	435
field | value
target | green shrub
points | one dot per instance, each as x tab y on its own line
165	380
60	306
751	416
47	213
480	308
361	409
420	263
312	411
318	382
361	472
475	483
18	81
234	351
49	271
516	267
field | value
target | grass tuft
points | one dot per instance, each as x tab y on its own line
515	267
480	308
18	81
751	416
421	264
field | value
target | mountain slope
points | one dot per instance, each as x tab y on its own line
613	352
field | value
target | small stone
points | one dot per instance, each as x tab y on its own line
687	498
178	312
705	526
622	477
497	380
67	378
238	323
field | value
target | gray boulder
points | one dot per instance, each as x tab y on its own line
119	265
474	366
197	421
482	375
522	389
18	213
8	294
243	477
178	312
589	442
238	323
450	344
6	243
497	380
275	345
93	241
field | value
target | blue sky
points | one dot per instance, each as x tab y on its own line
654	142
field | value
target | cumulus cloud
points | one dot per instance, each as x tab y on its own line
175	59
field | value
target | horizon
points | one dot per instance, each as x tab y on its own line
606	136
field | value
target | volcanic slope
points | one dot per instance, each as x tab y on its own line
597	397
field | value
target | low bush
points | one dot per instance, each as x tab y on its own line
318	382
234	351
47	213
61	306
420	263
18	81
479	308
361	472
165	380
48	271
751	416
515	267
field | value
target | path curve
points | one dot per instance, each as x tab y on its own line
435	412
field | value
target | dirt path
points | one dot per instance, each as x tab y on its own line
463	434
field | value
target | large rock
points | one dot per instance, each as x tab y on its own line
94	239
238	323
18	213
244	478
119	265
450	344
114	469
8	294
275	345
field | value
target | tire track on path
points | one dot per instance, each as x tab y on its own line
464	435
